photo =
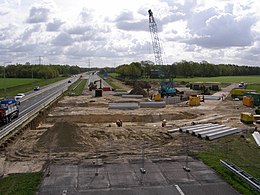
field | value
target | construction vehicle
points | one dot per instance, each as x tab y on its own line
257	110
239	93
8	110
93	85
247	117
167	89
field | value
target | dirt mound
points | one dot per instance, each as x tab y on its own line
62	137
140	88
138	91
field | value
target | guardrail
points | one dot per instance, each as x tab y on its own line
242	174
43	104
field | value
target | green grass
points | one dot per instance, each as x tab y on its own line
254	86
24	183
223	79
113	85
80	87
242	152
18	85
13	82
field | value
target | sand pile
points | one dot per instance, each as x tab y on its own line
62	137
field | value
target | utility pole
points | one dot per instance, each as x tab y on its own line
40	59
89	63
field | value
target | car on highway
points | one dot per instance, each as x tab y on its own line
69	81
19	96
36	88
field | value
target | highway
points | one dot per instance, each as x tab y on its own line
33	99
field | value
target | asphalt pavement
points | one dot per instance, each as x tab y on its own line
163	176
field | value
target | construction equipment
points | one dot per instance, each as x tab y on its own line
255	97
93	85
239	93
167	89
155	39
8	110
246	117
194	100
248	101
257	110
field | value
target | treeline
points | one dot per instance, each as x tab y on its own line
183	69
39	71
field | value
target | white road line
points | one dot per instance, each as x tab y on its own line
179	190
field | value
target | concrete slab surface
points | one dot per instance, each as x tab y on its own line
161	177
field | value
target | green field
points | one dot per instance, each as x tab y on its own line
22	85
254	86
13	82
25	183
223	79
241	151
79	89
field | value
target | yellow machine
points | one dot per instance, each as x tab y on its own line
248	101
246	117
194	100
157	97
239	93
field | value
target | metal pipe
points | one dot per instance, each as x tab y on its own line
221	134
204	134
188	127
195	132
191	130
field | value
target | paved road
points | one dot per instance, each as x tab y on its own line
166	177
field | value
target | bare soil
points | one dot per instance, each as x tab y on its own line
82	127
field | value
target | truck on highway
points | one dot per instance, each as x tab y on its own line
9	109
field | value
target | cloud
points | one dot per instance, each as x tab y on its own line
4	11
86	14
23	47
79	29
125	16
63	39
133	26
54	25
211	29
7	32
39	13
28	31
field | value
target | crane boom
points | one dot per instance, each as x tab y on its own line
155	39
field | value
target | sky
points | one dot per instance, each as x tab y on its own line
101	33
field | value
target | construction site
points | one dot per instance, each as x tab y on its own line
113	129
140	141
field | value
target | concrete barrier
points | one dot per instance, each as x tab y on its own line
122	106
152	104
132	96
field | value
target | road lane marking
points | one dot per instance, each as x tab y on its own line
179	190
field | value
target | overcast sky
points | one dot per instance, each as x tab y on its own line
109	33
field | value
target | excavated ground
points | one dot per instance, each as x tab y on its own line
83	127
